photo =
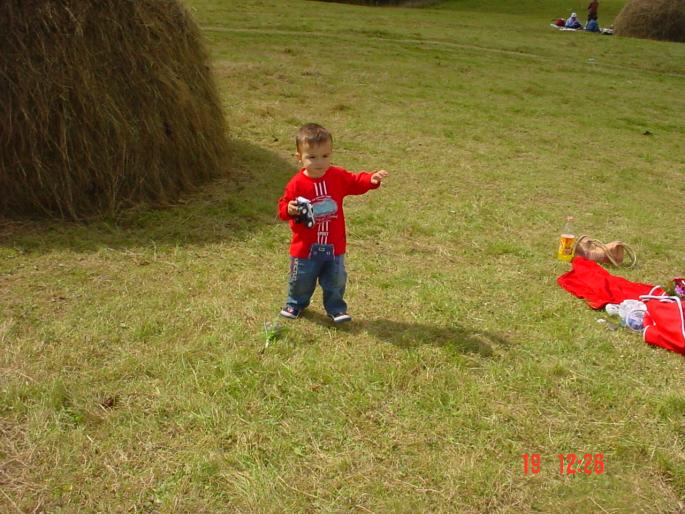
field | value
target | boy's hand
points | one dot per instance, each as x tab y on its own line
292	208
378	177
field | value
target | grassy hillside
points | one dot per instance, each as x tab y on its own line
133	370
535	8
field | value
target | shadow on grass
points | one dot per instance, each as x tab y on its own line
411	335
227	208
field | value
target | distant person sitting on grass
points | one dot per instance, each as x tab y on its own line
318	252
573	23
592	26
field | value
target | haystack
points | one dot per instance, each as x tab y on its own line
104	104
652	19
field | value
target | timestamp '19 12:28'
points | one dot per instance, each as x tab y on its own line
569	463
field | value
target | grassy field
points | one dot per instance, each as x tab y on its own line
133	370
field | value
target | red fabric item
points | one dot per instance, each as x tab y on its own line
665	324
664	320
588	280
326	194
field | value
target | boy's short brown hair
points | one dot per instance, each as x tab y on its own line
312	134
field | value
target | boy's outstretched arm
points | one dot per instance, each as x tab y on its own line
360	183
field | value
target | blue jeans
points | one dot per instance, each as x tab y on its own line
332	278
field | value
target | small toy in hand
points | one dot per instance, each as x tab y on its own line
305	213
676	287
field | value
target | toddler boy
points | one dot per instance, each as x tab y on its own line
318	252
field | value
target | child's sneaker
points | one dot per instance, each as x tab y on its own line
290	312
341	317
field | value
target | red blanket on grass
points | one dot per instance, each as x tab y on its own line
665	317
588	280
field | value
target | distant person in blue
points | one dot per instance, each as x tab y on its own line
573	23
592	23
592	26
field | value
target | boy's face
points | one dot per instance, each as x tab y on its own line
316	158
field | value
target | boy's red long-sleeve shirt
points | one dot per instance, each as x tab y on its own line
326	194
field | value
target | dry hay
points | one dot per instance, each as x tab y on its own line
652	19
104	104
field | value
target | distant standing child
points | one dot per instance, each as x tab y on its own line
318	253
592	10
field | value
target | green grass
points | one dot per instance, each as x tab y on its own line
133	373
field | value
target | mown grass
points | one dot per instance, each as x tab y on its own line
134	375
